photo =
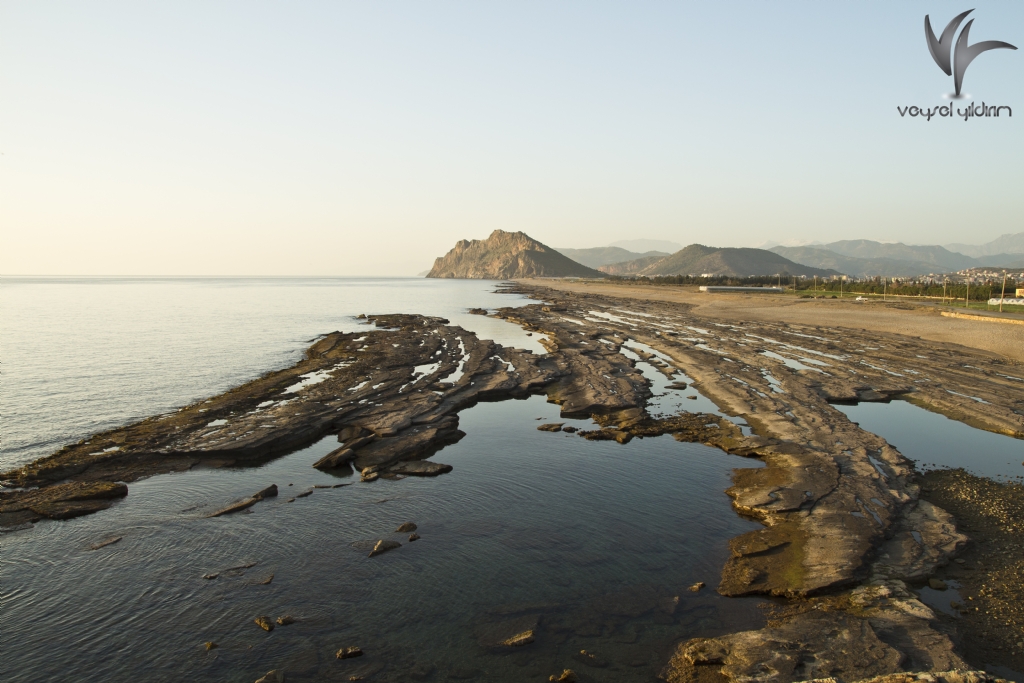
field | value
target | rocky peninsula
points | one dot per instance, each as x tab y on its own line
847	532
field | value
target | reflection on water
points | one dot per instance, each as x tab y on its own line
592	544
935	441
82	355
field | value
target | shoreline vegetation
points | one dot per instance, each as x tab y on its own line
850	531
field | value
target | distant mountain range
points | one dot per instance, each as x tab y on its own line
865	258
1010	243
506	255
513	255
603	256
698	259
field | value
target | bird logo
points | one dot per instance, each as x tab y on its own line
956	63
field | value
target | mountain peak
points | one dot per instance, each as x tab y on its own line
504	255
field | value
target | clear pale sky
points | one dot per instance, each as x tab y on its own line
365	138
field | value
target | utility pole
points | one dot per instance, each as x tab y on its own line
884	280
967	298
1003	295
815	285
841	280
943	292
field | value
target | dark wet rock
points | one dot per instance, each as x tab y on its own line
304	494
264	623
421	468
264	581
212	575
414	537
236	507
696	587
63	501
104	544
937	584
678	386
285	620
383	546
478	311
570	429
349	652
336	458
406	527
275	676
269	492
567	676
551	427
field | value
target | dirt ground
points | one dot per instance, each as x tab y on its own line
909	319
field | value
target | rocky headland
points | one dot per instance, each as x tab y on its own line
506	255
847	534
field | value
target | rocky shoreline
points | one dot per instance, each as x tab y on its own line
846	532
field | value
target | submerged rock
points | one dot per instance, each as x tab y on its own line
421	468
383	546
414	537
275	676
519	639
567	676
348	652
264	623
551	427
406	527
104	544
286	620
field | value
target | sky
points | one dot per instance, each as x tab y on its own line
359	138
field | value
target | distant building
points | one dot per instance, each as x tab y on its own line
1020	292
748	290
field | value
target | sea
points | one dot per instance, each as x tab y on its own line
593	546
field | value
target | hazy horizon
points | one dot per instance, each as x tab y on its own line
321	139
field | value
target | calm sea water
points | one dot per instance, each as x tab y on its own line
83	355
593	543
934	441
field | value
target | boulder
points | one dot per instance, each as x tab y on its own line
264	623
568	676
269	492
349	652
406	527
285	620
414	537
551	427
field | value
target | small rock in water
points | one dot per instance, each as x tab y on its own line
264	623
384	546
209	645
524	638
570	429
305	493
406	528
937	584
266	581
414	537
590	659
369	476
275	676
551	427
568	676
104	544
214	575
478	311
268	492
285	620
349	652
692	398
697	586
